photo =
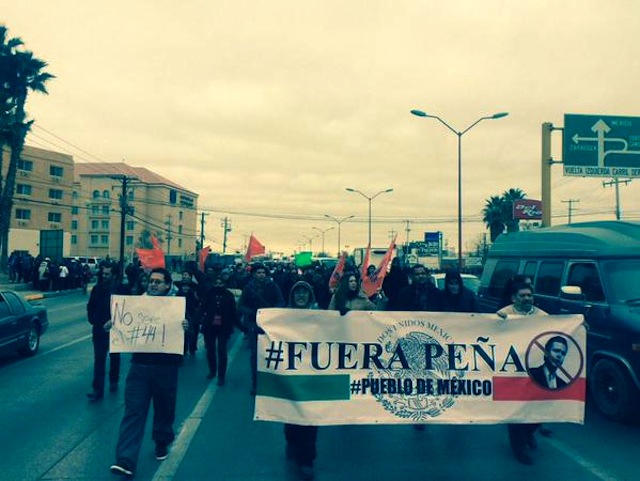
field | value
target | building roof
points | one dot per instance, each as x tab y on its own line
102	169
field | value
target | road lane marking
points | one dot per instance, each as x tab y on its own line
70	343
167	470
593	468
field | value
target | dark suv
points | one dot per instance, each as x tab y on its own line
591	269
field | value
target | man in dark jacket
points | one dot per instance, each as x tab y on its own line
421	295
219	317
99	312
260	292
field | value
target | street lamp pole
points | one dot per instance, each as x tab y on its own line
322	231
499	115
339	221
370	199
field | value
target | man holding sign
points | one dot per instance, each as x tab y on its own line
153	374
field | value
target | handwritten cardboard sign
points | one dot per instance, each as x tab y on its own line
147	324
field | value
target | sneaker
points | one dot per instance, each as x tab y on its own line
306	472
220	381
162	452
120	470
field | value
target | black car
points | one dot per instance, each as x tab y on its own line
21	324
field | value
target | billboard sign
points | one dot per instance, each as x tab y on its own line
527	209
601	146
432	243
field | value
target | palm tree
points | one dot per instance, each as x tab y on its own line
508	196
20	74
492	216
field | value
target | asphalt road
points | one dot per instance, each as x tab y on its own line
51	432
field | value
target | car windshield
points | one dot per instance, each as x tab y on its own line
621	279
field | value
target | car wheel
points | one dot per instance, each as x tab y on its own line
612	390
33	342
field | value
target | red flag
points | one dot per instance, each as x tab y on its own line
202	257
365	263
338	270
255	248
372	285
151	258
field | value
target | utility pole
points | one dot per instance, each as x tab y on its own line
124	210
570	202
616	181
202	214
226	226
392	234
168	224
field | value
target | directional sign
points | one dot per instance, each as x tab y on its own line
601	146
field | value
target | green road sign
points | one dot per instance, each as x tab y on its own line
601	146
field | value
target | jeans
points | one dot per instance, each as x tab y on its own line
100	351
216	344
144	384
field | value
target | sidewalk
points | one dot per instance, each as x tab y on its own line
26	289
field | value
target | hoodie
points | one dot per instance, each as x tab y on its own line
312	298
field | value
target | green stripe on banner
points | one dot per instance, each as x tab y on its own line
304	387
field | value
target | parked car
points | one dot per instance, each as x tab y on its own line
21	324
593	269
468	280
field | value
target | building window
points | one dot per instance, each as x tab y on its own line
23	214
54	217
74	239
131	225
105	194
104	224
180	243
25	165
179	229
94	224
130	195
74	195
180	214
74	210
55	194
56	171
94	239
173	196
105	210
95	209
74	225
23	189
96	194
132	211
129	240
104	240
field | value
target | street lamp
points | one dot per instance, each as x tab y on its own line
309	239
339	221
369	198
322	231
499	115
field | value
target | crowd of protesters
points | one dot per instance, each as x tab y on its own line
46	274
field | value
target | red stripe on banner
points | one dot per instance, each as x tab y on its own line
524	389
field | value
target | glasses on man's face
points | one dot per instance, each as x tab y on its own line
156	281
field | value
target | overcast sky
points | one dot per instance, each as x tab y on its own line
270	109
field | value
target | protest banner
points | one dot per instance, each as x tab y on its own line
321	368
147	324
